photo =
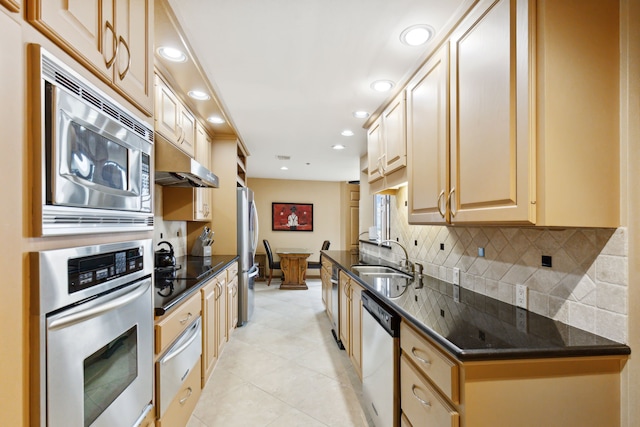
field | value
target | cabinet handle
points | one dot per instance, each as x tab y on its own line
418	398
425	361
189	393
126	46
186	319
453	212
109	26
440	203
179	141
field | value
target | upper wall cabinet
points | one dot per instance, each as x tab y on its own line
533	136
173	120
112	38
386	141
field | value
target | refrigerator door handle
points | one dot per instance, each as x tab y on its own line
256	227
253	271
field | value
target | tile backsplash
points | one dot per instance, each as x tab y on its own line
585	287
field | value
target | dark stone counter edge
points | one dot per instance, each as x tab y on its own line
159	311
489	354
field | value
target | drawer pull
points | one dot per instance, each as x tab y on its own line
186	319
189	393
418	398
425	361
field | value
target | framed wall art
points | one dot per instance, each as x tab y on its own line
291	216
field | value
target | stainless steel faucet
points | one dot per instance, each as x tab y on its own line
407	263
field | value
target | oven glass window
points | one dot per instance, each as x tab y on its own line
97	159
108	372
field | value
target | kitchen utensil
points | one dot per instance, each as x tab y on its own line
164	257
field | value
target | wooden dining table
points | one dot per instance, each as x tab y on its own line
293	263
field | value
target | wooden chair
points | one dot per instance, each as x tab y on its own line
273	265
318	264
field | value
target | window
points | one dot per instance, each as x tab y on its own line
382	215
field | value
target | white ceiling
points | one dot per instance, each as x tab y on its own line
290	73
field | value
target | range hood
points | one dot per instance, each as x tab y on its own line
174	168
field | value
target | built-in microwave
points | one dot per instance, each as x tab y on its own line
96	157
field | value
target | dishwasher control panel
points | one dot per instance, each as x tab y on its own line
384	315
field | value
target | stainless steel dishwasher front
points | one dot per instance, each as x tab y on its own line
380	331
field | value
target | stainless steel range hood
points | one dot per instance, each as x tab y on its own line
174	168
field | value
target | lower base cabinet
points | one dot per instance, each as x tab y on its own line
184	403
552	392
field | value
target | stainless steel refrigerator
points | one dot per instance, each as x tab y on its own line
247	245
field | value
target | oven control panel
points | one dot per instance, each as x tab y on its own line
88	271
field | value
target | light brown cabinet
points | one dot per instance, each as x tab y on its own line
186	204
11	5
232	299
437	389
112	38
386	141
170	326
183	404
214	328
527	142
172	118
350	308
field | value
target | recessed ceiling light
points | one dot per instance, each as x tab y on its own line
199	95
215	119
360	114
417	35
338	147
172	54
284	168
382	85
346	132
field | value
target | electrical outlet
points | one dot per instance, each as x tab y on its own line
456	276
521	296
456	293
521	319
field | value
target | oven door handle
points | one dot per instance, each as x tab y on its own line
187	340
112	303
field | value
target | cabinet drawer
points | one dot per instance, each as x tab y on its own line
232	271
168	329
434	364
421	403
181	407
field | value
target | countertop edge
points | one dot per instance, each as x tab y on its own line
492	354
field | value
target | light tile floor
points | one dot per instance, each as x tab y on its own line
283	369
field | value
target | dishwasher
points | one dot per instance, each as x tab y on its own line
380	347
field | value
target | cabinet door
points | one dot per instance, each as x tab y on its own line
12	5
221	308
188	131
167	112
209	329
232	306
490	151
84	27
428	141
356	327
133	69
374	151
344	308
203	146
394	144
202	205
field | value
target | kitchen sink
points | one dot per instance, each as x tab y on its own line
379	271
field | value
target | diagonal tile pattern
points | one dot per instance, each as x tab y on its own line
586	286
283	369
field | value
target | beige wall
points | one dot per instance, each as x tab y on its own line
325	197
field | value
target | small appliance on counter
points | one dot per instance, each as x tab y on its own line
202	246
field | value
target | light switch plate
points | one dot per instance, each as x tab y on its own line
456	276
521	296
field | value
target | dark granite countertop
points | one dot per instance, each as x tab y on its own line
194	273
472	326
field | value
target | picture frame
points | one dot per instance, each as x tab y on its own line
291	216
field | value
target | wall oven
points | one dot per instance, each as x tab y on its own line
93	330
96	158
